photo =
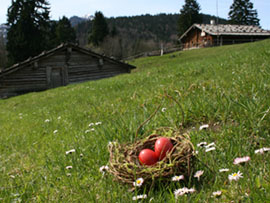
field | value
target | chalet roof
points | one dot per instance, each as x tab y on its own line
45	54
242	30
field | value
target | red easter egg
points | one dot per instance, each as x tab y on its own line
148	157
162	146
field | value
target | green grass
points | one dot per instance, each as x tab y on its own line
227	87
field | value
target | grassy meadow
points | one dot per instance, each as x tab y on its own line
227	88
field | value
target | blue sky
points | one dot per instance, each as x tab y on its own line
116	8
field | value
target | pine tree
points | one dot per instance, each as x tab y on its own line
189	15
99	29
64	31
242	13
29	25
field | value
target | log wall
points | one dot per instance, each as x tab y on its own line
75	67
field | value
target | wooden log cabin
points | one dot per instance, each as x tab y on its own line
63	65
205	35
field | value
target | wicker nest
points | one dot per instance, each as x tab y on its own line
125	167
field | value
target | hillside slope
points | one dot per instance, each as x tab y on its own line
226	87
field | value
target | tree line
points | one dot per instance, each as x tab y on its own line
31	30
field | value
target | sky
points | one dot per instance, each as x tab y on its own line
115	8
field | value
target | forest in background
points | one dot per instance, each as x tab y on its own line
130	36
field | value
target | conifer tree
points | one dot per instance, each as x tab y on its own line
64	31
242	13
29	25
189	15
99	29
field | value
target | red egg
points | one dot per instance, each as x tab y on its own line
148	157
162	146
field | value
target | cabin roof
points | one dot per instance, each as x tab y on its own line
220	29
44	54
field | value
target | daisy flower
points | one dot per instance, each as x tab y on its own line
210	145
201	144
204	126
177	178
182	191
69	167
198	174
12	176
138	182
89	130
139	197
223	170
163	110
56	131
98	123
191	190
70	151
216	194
235	176
91	124
47	121
210	149
262	150
103	169
240	160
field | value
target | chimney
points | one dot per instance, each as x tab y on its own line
212	22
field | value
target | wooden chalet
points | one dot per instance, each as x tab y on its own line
205	35
63	65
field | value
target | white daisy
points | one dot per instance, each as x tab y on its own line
262	150
201	144
163	110
103	169
223	170
210	145
216	194
177	178
235	176
47	121
240	160
182	191
138	182
191	190
139	197
98	123
204	126
69	167
70	151
89	130
68	174
91	124
210	149
198	174
56	131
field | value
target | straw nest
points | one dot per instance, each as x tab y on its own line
124	164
